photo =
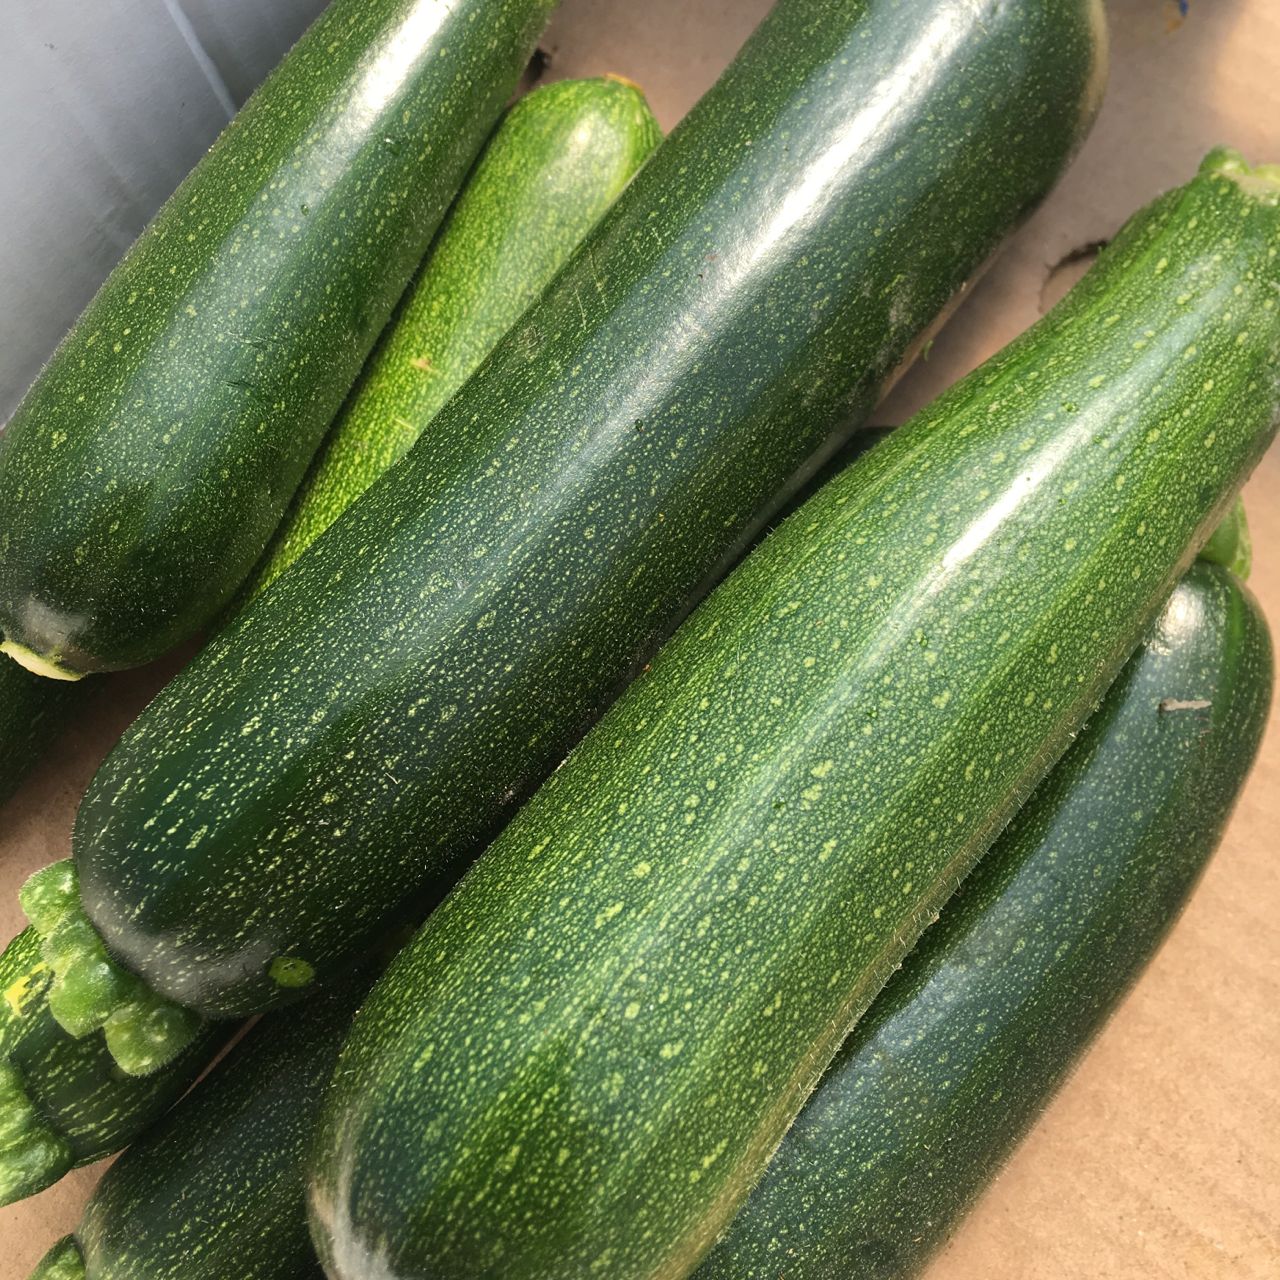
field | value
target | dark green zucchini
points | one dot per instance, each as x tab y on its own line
215	1190
63	1101
344	746
959	1054
582	1062
33	711
147	467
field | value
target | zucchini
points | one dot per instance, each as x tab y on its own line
340	750
1231	546
555	164
959	1054
64	1101
151	461
33	711
584	1059
215	1190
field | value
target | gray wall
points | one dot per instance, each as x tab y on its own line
104	107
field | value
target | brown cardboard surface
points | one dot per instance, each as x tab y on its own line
1161	1157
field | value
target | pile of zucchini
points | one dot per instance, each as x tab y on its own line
1000	670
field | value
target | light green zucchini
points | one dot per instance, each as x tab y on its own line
553	167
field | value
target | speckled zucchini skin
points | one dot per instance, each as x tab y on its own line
215	1191
347	744
33	711
148	466
959	1054
553	167
584	1059
63	1101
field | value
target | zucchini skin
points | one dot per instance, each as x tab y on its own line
33	711
215	1191
555	164
958	1055
151	461
584	1059
343	749
65	1102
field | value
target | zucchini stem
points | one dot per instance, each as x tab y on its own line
90	990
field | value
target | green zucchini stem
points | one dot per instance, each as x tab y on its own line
91	991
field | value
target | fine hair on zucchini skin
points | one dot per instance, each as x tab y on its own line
341	750
695	909
555	163
956	1058
145	470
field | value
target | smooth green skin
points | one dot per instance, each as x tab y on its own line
63	1101
148	466
582	1062
215	1190
33	712
344	748
556	163
960	1053
1231	545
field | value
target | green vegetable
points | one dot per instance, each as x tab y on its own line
554	166
582	1062
33	711
148	466
1231	545
343	747
958	1055
64	1102
215	1190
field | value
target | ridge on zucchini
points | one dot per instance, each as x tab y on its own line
90	990
29	1148
64	1101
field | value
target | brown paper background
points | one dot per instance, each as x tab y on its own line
1161	1156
